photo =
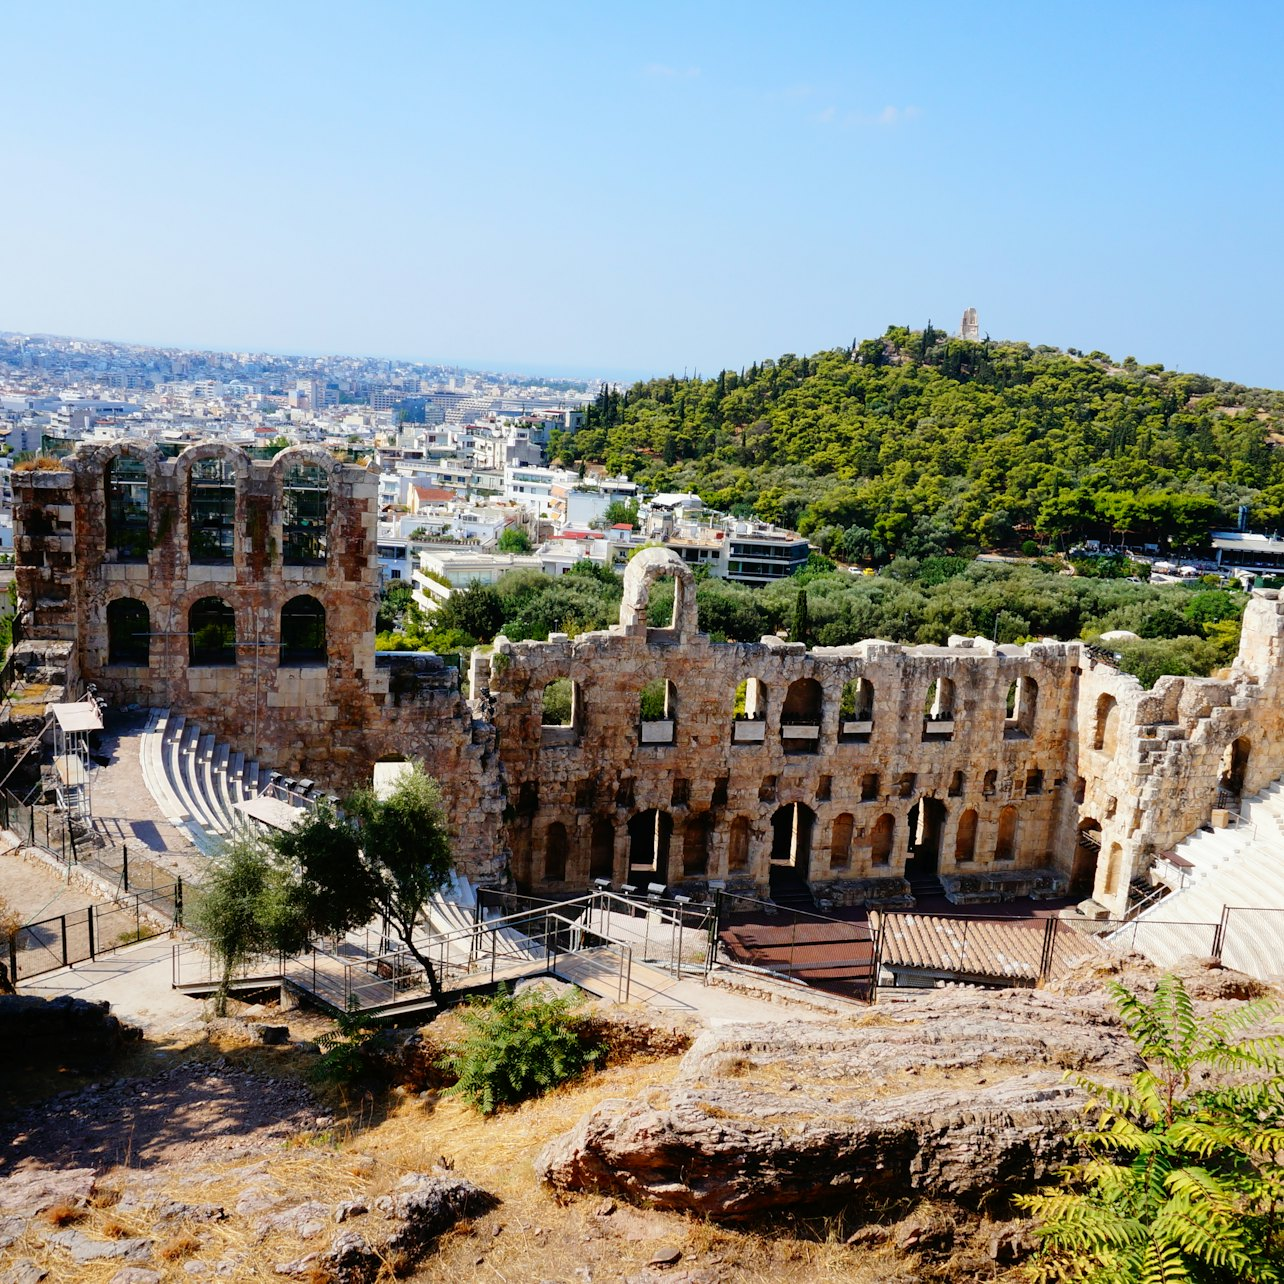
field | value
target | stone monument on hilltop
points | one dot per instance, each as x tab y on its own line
969	328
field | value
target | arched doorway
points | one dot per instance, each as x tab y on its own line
650	833
602	849
1087	853
1234	768
791	835
926	821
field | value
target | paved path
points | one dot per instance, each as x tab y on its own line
124	809
134	980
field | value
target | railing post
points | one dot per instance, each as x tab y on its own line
178	902
64	939
89	919
1219	935
124	863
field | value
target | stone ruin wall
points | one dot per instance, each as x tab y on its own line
592	778
1143	766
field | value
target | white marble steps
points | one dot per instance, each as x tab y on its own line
1242	868
196	780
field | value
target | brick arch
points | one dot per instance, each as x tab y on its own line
646	567
96	464
304	454
211	450
242	604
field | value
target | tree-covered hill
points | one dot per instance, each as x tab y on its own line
917	443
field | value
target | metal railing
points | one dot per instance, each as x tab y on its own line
831	954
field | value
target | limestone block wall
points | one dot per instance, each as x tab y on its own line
576	793
1152	762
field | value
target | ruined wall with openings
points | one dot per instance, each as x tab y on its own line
983	784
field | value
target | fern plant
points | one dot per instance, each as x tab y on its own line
517	1046
1184	1179
350	1051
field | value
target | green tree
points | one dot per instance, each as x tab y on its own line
476	610
801	629
248	905
514	540
405	842
620	512
1183	1182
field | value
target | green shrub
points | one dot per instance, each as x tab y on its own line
518	1046
352	1051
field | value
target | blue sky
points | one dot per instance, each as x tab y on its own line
640	189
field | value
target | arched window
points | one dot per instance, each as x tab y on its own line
881	838
738	846
559	713
749	713
129	626
303	631
1023	700
695	846
840	842
856	711
211	624
658	711
306	504
957	783
555	848
1006	847
128	527
869	787
211	511
1107	724
990	783
965	840
800	717
938	710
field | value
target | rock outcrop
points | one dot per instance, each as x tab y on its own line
62	1031
952	1095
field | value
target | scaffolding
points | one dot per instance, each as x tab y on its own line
73	724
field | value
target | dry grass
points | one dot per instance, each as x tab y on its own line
178	1248
63	1214
534	1234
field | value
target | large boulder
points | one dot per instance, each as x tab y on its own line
63	1031
954	1095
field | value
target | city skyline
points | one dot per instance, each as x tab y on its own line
574	192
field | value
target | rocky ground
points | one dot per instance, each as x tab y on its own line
875	1148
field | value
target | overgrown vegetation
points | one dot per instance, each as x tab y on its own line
518	1046
1184	628
918	444
1184	1180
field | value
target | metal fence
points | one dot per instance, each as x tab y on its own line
827	953
74	845
84	934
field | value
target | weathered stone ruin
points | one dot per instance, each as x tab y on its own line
243	593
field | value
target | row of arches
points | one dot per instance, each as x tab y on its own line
211	489
211	632
801	714
660	851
